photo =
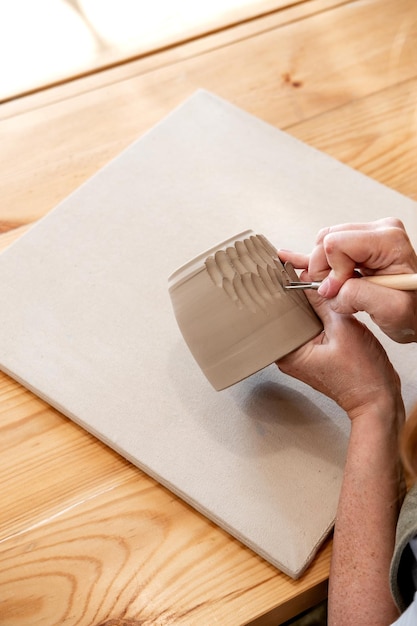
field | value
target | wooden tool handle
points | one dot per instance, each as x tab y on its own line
405	282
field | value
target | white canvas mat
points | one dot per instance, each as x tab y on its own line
86	321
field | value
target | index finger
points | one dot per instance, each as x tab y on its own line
373	249
381	224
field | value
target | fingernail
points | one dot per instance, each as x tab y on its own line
323	290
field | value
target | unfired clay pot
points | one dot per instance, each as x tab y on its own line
234	312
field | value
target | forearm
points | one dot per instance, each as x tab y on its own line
371	495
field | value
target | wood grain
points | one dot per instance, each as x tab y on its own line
376	135
134	551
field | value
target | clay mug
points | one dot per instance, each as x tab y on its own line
234	312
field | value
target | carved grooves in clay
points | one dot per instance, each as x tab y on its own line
249	272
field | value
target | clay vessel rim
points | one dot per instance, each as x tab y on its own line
196	265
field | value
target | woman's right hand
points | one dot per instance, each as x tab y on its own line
374	248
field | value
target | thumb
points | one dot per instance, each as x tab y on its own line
393	310
322	306
361	295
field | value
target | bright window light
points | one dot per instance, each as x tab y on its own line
41	42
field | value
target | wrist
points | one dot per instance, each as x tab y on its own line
384	409
379	424
375	438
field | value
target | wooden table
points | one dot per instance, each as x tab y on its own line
87	538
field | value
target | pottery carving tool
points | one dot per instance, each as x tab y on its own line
403	282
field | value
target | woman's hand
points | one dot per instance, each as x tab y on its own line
374	248
345	362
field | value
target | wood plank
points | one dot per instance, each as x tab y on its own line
107	34
376	135
70	466
167	56
48	152
136	552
